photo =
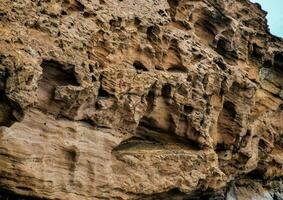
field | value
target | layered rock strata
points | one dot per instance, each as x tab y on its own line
131	100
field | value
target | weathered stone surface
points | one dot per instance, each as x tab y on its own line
120	99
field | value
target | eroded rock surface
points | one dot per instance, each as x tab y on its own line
132	100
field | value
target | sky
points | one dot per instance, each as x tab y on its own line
274	16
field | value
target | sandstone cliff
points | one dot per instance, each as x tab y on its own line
137	100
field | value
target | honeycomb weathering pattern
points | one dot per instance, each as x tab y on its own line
139	100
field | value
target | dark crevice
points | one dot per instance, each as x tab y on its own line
4	74
173	6
89	14
176	194
148	124
101	2
224	49
137	21
136	142
173	3
278	60
256	52
139	66
24	188
188	109
8	108
93	78
220	63
150	99
166	91
158	67
6	111
116	22
57	74
162	13
221	147
91	68
230	109
153	34
256	174
267	64
88	122
177	68
9	195
102	93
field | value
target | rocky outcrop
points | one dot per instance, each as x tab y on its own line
120	99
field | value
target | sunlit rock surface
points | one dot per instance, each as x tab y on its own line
139	100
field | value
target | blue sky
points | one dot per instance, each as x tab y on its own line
274	16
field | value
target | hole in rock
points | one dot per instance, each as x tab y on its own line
4	74
173	3
139	66
256	52
137	21
150	100
102	2
152	33
220	64
229	110
267	64
162	13
24	188
91	68
89	14
278	60
224	49
116	22
93	78
188	109
221	46
221	147
263	145
63	12
177	68
166	91
256	174
6	111
102	93
226	123
53	74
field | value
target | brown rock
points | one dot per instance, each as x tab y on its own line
107	99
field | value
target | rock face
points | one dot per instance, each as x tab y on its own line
145	99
